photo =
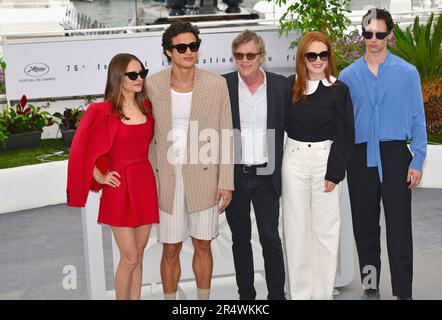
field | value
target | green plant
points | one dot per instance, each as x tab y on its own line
2	75
71	117
23	118
435	139
2	64
421	46
314	15
3	131
348	49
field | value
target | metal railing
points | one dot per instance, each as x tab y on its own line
403	18
400	17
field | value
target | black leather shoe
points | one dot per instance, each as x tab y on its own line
403	298
371	294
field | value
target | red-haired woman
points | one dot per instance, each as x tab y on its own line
320	133
110	151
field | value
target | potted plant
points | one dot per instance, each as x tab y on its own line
2	76
3	132
70	119
22	126
421	46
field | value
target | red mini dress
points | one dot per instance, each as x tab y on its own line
134	202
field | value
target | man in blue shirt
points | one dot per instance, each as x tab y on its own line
388	108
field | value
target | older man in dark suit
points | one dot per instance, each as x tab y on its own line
259	102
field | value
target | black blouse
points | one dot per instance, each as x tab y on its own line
326	114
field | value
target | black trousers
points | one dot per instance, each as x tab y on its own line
366	192
259	190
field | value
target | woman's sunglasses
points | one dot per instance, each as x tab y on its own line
250	56
182	47
312	56
134	75
379	35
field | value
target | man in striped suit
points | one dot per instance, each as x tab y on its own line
192	156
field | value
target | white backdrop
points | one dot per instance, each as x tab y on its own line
77	67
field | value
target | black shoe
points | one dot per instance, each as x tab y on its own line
403	298
371	294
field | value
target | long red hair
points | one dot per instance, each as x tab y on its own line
300	85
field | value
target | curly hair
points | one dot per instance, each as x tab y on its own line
175	29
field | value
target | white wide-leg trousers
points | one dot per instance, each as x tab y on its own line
311	221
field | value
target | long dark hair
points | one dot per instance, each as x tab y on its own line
114	85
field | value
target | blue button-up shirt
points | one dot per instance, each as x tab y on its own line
387	107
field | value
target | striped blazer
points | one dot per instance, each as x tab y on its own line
210	110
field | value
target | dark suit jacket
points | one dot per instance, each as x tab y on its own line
278	104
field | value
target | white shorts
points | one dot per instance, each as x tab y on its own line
176	227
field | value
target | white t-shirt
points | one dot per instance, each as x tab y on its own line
181	107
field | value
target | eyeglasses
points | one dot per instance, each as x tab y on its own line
379	35
182	47
250	56
312	56
134	75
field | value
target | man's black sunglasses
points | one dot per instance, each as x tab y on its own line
312	56
379	35
182	47
134	75
250	56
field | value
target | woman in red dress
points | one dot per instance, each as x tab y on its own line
110	151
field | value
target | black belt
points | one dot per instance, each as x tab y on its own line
243	168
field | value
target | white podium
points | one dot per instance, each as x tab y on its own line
221	249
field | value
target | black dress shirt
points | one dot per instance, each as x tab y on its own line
326	114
